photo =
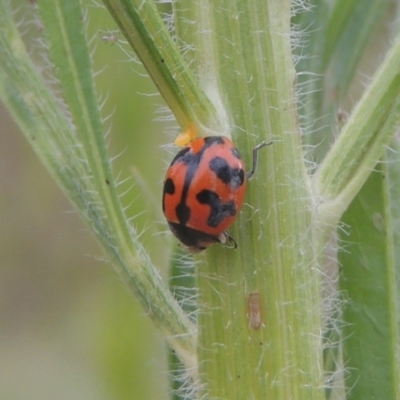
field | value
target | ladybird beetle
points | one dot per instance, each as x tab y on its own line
204	190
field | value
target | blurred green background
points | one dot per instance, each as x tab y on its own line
69	329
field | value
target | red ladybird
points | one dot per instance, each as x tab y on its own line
204	190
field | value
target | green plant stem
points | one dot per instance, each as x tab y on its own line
246	50
141	24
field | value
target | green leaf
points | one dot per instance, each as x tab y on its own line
368	281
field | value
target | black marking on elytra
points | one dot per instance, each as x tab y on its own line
219	210
233	177
192	161
169	188
182	212
181	155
